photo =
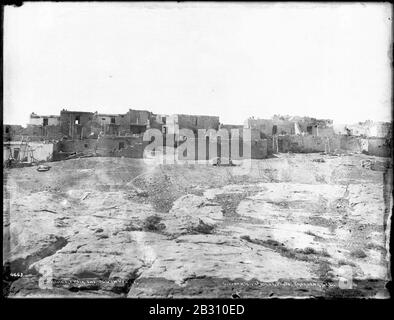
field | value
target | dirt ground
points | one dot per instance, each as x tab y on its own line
297	225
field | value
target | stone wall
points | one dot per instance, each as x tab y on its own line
269	126
29	151
259	149
197	122
138	117
307	143
230	127
204	149
380	147
11	131
33	133
352	143
39	120
133	122
71	129
86	145
129	147
366	129
260	125
323	132
114	146
381	130
42	151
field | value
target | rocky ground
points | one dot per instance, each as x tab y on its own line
298	225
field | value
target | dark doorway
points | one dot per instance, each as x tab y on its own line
121	145
309	129
16	154
207	141
45	122
219	147
112	119
280	145
79	132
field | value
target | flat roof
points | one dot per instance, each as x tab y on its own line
37	116
194	115
110	115
68	111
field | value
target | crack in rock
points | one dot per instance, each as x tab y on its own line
22	264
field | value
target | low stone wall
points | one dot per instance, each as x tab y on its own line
86	145
307	144
256	149
129	147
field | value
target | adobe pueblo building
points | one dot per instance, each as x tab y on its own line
121	135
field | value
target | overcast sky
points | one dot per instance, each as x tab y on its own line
232	60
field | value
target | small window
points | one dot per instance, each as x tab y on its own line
45	121
274	129
86	145
77	119
112	119
121	145
103	119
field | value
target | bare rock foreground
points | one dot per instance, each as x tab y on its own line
112	227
